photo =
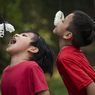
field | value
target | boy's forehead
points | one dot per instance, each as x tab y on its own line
69	17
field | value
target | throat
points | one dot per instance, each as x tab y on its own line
63	43
17	59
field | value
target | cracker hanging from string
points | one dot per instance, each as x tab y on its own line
59	16
5	27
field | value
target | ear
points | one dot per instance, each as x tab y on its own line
33	49
67	35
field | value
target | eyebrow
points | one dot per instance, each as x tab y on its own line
26	34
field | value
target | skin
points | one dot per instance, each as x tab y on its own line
91	89
22	50
61	28
61	31
65	38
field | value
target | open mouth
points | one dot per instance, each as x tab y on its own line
12	41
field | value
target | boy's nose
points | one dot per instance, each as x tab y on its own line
54	29
16	35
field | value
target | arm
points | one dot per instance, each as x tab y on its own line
43	93
40	85
76	74
91	89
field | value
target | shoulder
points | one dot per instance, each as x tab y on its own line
69	56
31	64
33	68
6	68
70	53
65	55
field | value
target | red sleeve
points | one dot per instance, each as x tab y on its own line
39	80
79	78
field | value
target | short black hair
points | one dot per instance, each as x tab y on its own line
45	55
83	27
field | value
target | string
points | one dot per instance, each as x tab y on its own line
59	5
1	19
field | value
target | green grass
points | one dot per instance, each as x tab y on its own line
56	85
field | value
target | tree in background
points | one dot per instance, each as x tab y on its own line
37	15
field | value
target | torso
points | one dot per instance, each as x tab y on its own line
75	70
19	79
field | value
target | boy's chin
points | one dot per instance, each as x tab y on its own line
55	33
8	50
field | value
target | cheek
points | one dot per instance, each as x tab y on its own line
18	47
59	31
56	30
22	45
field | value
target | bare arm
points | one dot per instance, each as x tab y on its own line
91	89
44	93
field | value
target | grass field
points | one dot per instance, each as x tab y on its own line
56	85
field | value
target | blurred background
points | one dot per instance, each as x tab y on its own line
39	15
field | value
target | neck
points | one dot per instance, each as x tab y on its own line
18	58
63	43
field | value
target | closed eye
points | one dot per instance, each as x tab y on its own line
24	35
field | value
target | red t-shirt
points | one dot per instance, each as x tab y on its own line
26	78
75	70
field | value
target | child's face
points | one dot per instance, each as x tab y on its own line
61	28
20	43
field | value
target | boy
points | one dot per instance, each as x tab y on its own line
75	31
22	76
